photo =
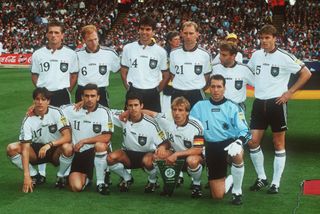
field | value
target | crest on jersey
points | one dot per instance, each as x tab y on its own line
238	84
142	140
275	71
187	144
225	126
153	63
96	128
64	66
53	128
102	69
198	69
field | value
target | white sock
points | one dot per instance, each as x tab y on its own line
67	172
237	172
65	163
16	160
278	166
258	161
152	178
100	163
119	169
196	174
228	183
42	169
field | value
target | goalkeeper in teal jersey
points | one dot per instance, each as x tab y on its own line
225	132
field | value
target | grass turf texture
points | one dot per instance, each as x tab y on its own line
303	162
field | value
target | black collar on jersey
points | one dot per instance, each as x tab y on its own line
150	44
272	51
191	50
41	117
93	109
186	122
141	118
219	102
87	50
234	65
59	48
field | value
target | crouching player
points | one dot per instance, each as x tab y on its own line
141	137
44	137
225	131
92	127
185	135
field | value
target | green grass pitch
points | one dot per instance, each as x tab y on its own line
303	160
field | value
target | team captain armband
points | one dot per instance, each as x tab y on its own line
162	135
110	125
198	140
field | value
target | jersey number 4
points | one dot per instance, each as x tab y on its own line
134	64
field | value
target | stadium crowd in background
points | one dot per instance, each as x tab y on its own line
21	23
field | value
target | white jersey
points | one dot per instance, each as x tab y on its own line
96	67
145	64
86	125
237	78
189	68
180	137
142	136
272	72
54	68
44	129
239	58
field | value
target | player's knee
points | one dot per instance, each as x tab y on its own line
100	147
253	143
76	187
67	149
12	149
111	159
193	161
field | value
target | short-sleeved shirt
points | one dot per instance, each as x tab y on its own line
142	136
86	124
37	129
181	137
221	120
96	67
54	68
145	64
237	78
272	72
189	68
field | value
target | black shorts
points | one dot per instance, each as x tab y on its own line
150	98
193	96
168	90
83	162
267	112
216	159
60	97
135	158
104	97
49	154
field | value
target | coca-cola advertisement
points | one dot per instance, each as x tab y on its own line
15	59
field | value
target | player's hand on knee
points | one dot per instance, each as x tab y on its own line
43	150
234	148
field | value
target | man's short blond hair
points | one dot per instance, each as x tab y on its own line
88	29
181	101
189	24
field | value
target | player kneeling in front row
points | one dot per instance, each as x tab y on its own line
225	131
185	135
45	137
92	127
141	137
